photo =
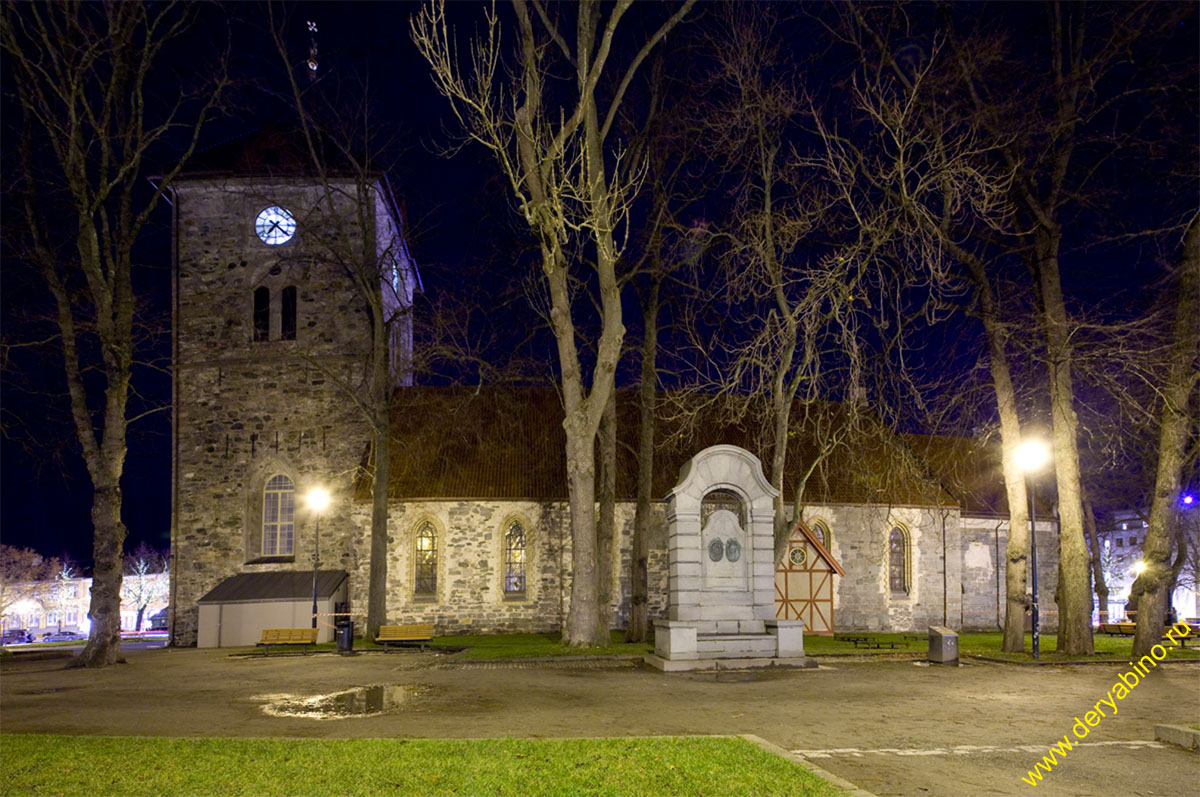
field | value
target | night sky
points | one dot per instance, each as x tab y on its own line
464	236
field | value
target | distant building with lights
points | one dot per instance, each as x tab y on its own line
270	340
1121	554
62	604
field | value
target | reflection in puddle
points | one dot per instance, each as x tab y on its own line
364	701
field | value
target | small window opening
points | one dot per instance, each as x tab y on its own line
287	325
262	314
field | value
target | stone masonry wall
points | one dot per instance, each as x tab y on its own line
247	410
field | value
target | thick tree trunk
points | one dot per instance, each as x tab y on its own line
607	519
582	628
639	607
1075	606
1016	566
377	580
104	641
1178	426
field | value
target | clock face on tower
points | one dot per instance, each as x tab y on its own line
275	225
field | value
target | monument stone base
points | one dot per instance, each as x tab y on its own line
678	647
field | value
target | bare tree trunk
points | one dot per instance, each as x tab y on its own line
606	522
1178	426
639	608
1075	605
377	578
1101	586
1016	556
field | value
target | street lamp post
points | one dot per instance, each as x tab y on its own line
1031	456
317	500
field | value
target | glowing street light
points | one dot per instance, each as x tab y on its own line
1032	455
317	499
1138	567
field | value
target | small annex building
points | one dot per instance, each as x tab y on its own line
234	613
804	582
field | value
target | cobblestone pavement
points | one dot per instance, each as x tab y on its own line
890	727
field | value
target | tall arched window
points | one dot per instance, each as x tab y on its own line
514	559
898	561
279	503
821	531
262	313
287	317
425	555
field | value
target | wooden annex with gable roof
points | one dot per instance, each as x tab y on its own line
804	582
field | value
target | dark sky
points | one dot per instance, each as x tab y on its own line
459	209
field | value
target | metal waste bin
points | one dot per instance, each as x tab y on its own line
344	634
943	645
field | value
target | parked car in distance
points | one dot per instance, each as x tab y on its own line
62	636
15	636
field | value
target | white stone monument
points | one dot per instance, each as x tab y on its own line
720	540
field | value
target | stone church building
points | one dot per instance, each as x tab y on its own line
270	339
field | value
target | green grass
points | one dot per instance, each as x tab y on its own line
85	765
988	644
519	646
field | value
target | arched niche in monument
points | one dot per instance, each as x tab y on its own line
723	541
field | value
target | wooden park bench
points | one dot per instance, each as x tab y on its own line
850	638
287	636
422	632
1113	629
876	644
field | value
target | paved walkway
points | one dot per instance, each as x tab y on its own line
890	727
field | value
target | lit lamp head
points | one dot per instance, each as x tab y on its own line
1032	455
317	499
1138	567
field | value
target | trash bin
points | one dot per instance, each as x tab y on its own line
943	645
344	634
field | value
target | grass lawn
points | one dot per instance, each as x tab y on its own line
513	646
988	644
39	764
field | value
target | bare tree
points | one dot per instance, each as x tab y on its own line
1178	448
559	161
363	237
145	580
25	575
83	75
816	273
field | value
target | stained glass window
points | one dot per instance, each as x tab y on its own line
822	535
279	502
514	559
426	559
898	561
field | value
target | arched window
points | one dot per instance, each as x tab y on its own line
425	556
287	318
262	313
279	503
722	499
821	532
514	559
898	561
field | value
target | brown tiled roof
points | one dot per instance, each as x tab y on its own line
508	443
969	470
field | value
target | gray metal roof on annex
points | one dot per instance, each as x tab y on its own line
280	585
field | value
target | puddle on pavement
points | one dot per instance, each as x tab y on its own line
363	701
